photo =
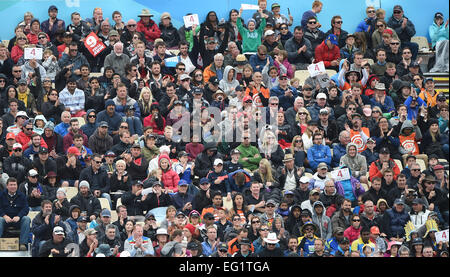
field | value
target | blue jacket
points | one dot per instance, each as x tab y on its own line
89	129
437	33
317	154
256	61
338	151
412	112
370	156
61	128
314	111
363	26
212	176
231	184
394	223
179	200
388	104
113	122
285	102
404	34
17	207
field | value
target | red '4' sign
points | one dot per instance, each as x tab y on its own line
93	44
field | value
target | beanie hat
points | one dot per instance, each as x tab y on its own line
190	227
49	125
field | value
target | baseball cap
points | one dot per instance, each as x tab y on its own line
52	7
339	230
51	174
321	95
103	124
322	165
113	33
183	154
73	150
371	140
217	162
235	151
271	201
304	179
247	98
110	102
356	115
136	145
429	79
204	180
157	183
417	201
194	213
333	39
416	64
43	150
323	111
180	213
83	219
184	77
438	15
183	182
193	246
149	215
32	172
288	192
17	145
110	154
245	241
105	213
269	33
384	150
223	246
398	8
58	230
208	216
10	136
198	91
387	31
275	5
22	81
374	230
214	80
399	201
314	191
438	167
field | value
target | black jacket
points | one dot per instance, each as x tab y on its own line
49	245
90	204
44	169
133	203
169	35
97	181
154	201
17	167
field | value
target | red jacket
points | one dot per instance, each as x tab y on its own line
375	169
149	122
151	31
169	178
326	55
352	233
24	139
33	38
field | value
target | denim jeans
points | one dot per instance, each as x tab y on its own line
23	224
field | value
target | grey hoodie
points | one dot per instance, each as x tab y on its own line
323	222
225	85
416	129
357	164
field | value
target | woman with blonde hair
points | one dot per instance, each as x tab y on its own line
298	150
145	101
169	221
265	174
270	148
361	44
301	120
18	49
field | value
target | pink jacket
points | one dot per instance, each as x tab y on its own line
169	177
290	70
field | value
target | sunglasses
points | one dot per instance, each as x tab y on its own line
375	111
284	28
17	71
92	116
415	169
21	39
312	22
297	141
397	12
264	229
338	22
198	75
395	43
123	127
356	220
246	137
2	81
371	11
223	251
352	109
131	25
380	25
98	162
308	89
273	104
417	79
29	129
236	219
181	68
18	150
42	37
257	221
407	52
270	206
248	101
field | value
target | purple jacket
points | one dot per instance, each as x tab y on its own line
354	181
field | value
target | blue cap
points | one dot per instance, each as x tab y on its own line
204	180
333	39
183	182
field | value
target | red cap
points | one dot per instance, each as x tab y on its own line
387	31
73	150
10	136
438	166
374	230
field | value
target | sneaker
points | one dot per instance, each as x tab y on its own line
23	247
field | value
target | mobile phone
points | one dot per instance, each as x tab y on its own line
289	11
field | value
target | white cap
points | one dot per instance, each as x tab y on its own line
321	95
22	113
269	33
304	179
164	148
33	172
58	230
17	145
217	161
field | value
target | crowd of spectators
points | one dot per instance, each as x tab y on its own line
229	186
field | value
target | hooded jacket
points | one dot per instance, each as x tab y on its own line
36	129
356	164
437	33
203	163
100	145
226	86
170	35
89	128
419	218
323	53
323	222
231	183
151	31
409	143
88	203
394	223
169	177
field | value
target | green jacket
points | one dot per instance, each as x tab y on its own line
249	152
251	40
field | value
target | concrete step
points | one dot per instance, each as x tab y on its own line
14	254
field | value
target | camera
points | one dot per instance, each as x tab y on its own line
219	98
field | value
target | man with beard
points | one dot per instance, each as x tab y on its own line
342	217
101	141
73	130
42	226
358	134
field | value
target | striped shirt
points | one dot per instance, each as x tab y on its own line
75	101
